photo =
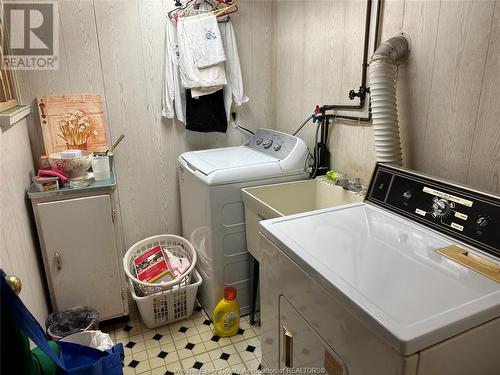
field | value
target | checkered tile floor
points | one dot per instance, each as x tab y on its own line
187	344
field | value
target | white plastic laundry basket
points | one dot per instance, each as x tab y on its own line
178	246
164	302
168	306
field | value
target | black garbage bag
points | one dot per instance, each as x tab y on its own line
63	323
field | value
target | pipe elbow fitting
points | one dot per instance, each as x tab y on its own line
393	49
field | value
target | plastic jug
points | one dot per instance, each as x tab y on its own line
227	314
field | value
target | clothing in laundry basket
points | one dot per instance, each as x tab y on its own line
201	32
179	265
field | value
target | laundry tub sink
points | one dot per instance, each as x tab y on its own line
270	201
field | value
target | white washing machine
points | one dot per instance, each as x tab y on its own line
406	282
213	217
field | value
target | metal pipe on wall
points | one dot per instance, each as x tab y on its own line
366	47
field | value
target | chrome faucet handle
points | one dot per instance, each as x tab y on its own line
355	185
343	183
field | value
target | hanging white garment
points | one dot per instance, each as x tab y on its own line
200	91
203	38
173	95
233	90
191	76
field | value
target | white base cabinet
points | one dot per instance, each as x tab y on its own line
81	245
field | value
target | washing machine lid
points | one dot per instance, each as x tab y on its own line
386	270
213	160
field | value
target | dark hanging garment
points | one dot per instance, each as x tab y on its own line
207	113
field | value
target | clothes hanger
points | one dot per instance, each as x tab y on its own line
230	7
233	8
179	12
178	8
223	18
175	13
190	5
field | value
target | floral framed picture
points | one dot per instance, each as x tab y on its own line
72	122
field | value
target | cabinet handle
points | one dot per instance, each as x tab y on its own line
287	347
43	114
57	259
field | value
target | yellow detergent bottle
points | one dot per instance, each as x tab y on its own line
227	314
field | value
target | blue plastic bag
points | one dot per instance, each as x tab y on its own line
75	359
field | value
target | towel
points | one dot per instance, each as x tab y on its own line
192	76
203	38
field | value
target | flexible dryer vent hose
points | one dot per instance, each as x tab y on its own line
382	74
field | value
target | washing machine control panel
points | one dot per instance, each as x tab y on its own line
273	143
460	212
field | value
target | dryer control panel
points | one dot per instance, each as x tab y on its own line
272	143
463	213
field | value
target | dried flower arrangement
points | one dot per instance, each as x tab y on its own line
76	129
72	121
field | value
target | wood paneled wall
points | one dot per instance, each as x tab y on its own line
19	253
447	88
294	54
116	48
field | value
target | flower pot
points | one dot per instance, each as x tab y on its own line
82	146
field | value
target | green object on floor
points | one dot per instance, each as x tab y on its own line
24	361
44	364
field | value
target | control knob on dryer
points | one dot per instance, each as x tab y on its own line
440	207
482	221
407	195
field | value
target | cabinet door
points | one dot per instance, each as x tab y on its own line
80	254
302	348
